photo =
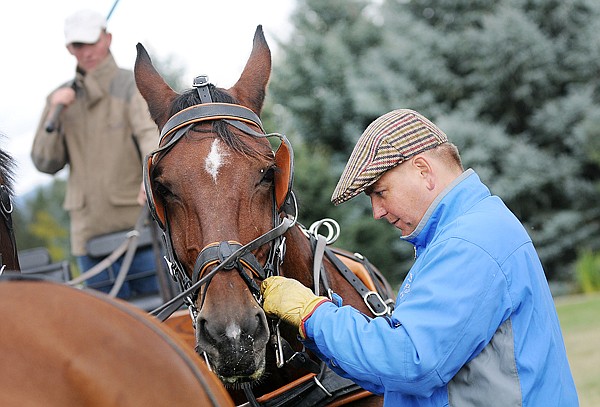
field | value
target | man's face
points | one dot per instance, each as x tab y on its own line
89	56
401	196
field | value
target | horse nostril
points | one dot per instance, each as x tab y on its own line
253	326
204	331
260	322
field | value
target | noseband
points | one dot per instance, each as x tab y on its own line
190	288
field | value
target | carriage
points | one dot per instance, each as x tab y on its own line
235	227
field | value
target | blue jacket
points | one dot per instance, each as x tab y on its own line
474	323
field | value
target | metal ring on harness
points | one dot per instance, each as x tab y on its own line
333	229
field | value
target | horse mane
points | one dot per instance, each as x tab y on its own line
7	171
190	97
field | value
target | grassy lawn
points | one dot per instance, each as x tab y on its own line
580	323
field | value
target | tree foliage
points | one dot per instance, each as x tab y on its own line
512	82
40	220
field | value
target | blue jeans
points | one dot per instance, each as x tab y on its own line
143	263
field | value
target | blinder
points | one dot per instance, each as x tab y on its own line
235	115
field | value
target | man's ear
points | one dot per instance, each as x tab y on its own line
108	38
422	164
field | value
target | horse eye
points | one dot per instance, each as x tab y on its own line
268	175
162	190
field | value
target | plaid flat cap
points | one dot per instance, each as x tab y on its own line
389	140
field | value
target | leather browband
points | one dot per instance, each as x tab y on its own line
209	111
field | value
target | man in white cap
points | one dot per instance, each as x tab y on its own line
474	322
102	134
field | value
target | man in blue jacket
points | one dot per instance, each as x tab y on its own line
474	323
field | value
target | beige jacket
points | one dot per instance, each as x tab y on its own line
102	137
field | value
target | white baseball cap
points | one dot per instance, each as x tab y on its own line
84	26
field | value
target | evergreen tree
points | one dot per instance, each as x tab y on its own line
320	91
512	82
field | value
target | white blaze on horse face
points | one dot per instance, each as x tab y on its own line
215	159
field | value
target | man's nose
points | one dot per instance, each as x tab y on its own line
378	210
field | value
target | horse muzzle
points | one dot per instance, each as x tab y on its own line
231	327
235	350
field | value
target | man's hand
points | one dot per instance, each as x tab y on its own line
62	96
289	300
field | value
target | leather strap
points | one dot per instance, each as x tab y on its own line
318	262
372	299
202	86
310	391
209	111
328	387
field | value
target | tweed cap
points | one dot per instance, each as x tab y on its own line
388	141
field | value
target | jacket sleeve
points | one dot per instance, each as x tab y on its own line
144	129
448	309
49	152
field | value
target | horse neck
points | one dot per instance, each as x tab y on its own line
298	260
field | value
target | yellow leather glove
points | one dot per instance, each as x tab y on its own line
289	300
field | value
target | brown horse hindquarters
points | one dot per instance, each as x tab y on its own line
66	347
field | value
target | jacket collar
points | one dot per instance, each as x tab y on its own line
97	82
464	192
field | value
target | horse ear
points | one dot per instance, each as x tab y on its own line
250	89
153	87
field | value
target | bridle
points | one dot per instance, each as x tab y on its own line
224	255
6	209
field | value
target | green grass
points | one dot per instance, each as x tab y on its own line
580	323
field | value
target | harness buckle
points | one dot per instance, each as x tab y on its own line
200	80
201	85
366	299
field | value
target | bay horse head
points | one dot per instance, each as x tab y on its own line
214	185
